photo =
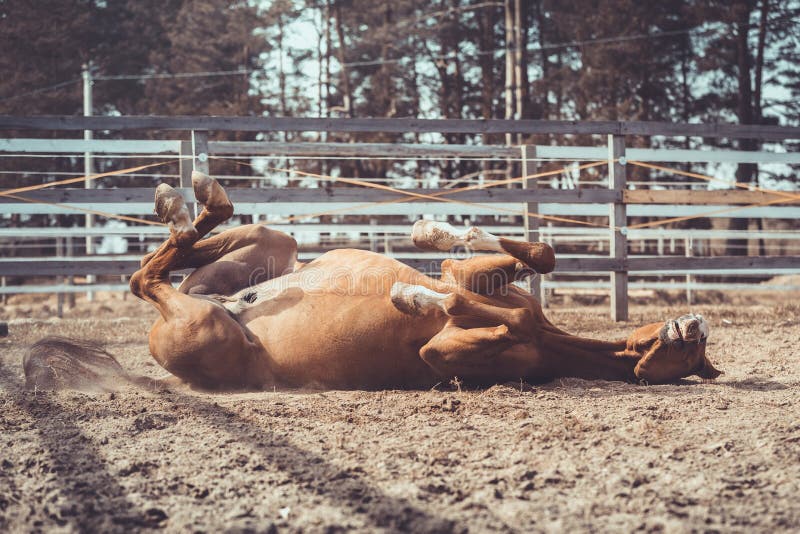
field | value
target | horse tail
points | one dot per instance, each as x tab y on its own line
56	362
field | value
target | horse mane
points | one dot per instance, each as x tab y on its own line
57	362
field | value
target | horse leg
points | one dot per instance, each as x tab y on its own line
236	258
475	335
195	339
217	208
469	353
433	235
419	300
484	274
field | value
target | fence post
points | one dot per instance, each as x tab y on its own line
200	150
60	279
185	165
88	164
199	157
531	166
618	222
70	280
373	240
689	246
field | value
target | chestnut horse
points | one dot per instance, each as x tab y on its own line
251	317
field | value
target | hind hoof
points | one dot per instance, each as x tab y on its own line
172	211
434	235
211	195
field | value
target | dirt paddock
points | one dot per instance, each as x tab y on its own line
571	455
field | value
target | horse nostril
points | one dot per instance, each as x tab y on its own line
691	330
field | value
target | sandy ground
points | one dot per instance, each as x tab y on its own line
566	456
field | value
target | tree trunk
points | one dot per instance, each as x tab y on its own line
509	92
757	104
762	40
346	94
744	110
545	82
281	70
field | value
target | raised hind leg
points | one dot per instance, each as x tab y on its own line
195	339
483	274
478	340
217	208
236	258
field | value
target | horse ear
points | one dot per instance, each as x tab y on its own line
708	371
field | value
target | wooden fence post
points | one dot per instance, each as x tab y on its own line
689	251
60	279
531	166
185	164
71	280
200	150
199	157
618	221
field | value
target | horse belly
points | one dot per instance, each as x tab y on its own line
349	342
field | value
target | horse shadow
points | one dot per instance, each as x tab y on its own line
341	487
93	499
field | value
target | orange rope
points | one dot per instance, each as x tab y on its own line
10	192
438	196
707	213
713	179
786	197
408	196
85	210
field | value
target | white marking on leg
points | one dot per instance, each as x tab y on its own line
443	236
435	235
704	330
416	300
478	239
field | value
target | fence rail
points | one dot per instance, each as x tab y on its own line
599	198
399	125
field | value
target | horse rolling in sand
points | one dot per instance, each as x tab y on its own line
251	317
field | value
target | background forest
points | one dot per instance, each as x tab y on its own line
676	60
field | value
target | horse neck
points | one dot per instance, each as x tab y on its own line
580	357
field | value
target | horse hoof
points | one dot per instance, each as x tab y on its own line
434	235
210	194
172	210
